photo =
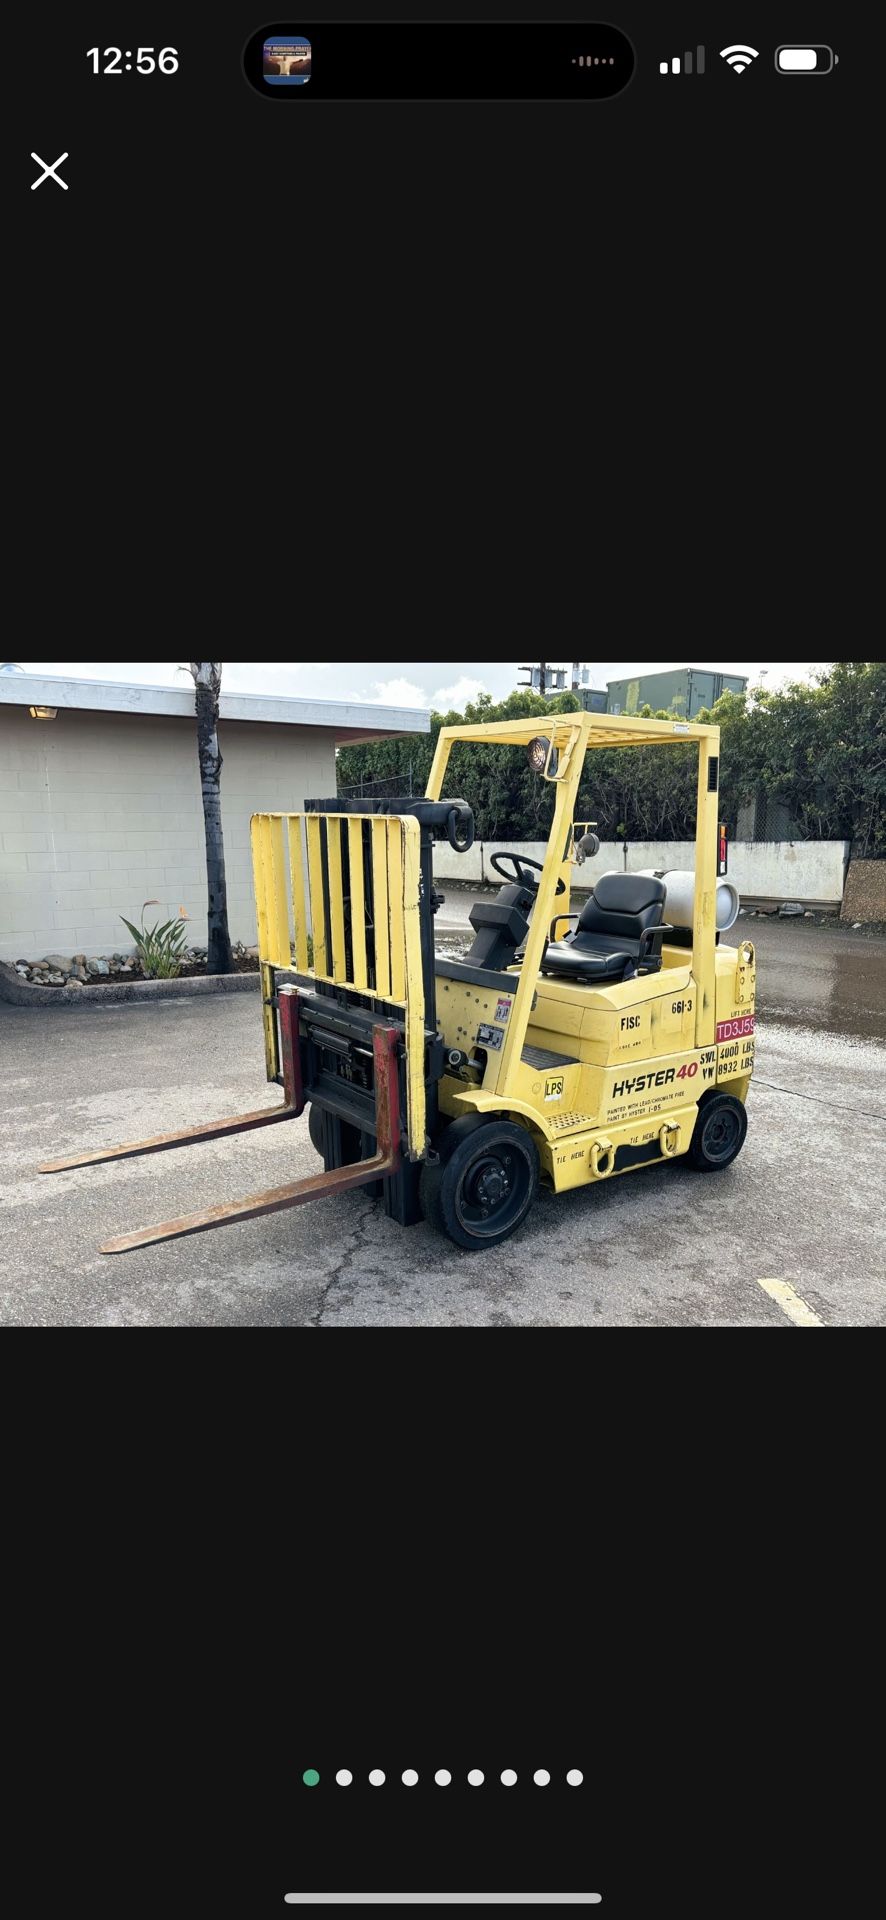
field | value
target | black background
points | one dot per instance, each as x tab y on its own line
542	358
267	1567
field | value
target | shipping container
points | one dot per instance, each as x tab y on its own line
683	691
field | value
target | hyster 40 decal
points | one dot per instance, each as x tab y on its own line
644	1082
634	1096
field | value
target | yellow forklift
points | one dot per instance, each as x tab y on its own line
560	1049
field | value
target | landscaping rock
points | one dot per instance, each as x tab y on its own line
75	981
22	969
809	915
78	974
789	907
57	962
92	966
102	968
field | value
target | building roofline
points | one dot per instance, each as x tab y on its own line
351	719
661	673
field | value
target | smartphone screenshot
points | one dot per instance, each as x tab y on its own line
342	330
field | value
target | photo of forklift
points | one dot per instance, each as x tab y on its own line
561	1050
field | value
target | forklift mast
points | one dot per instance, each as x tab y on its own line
366	911
345	904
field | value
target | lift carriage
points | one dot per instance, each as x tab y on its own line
550	1053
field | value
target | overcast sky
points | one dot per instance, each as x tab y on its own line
440	684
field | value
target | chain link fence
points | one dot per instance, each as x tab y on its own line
766	817
396	786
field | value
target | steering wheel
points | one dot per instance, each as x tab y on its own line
500	860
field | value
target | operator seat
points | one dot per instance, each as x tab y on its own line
620	932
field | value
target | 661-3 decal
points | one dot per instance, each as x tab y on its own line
736	1029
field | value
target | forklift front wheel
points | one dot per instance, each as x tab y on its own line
720	1132
483	1191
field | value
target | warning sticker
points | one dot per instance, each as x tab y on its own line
503	1011
736	1029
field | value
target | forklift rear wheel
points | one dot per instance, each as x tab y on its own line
719	1135
484	1190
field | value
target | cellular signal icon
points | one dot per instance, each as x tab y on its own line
684	64
738	58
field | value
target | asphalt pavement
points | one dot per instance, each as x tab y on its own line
802	1209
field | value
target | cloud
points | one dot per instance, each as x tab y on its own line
394	693
406	693
457	696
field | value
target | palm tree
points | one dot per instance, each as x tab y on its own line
206	675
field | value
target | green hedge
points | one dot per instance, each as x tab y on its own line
819	748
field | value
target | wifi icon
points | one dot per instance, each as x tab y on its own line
738	57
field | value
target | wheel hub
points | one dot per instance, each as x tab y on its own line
492	1186
720	1135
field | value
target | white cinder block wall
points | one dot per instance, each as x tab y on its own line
801	870
102	811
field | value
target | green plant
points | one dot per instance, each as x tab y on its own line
160	949
310	952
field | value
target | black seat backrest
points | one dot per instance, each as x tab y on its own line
501	927
622	906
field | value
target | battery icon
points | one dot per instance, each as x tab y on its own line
805	59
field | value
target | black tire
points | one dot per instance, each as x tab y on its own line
485	1186
355	1146
720	1133
351	1140
450	1135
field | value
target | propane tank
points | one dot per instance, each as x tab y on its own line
680	903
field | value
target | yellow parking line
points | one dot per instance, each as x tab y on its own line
790	1303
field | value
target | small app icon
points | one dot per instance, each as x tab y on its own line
286	61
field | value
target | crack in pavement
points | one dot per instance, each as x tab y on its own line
357	1241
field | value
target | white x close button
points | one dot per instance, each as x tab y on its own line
49	172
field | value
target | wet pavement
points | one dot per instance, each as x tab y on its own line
802	1208
826	977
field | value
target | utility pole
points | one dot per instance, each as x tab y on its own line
542	677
